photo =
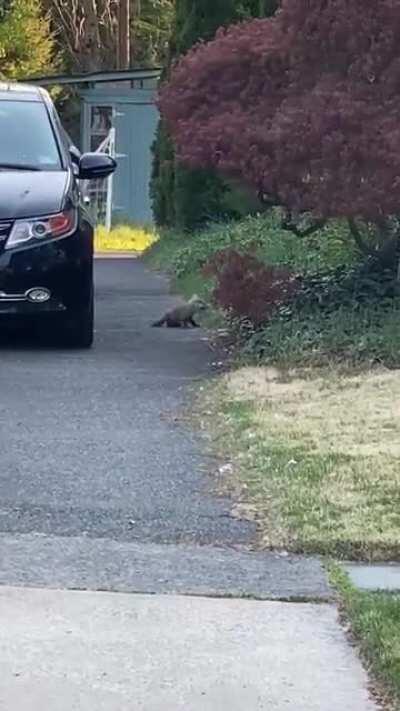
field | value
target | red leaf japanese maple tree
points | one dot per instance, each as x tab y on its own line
304	107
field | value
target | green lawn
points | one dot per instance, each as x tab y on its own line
375	625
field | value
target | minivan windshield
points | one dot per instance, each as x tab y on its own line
27	140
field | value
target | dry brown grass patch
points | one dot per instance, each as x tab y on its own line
320	456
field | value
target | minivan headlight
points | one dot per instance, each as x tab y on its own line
44	228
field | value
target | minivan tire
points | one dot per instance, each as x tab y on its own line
80	332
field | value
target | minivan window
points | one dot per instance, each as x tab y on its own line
27	137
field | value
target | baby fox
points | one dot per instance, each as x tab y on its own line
182	315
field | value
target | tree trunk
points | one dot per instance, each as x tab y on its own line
124	34
92	35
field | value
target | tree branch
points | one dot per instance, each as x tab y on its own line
69	34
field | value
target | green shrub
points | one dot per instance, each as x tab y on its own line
328	248
163	178
340	314
351	334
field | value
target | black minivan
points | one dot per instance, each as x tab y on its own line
46	234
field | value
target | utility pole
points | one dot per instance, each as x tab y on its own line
123	58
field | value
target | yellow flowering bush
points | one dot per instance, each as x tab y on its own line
124	238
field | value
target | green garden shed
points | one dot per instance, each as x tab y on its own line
118	116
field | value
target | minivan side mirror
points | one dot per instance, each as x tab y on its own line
75	155
93	166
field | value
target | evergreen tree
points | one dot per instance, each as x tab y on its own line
150	31
26	44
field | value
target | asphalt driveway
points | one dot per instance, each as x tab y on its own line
96	466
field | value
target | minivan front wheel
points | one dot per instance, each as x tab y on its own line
80	331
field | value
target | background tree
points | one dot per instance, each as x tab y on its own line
181	196
87	31
26	43
4	7
86	36
151	31
304	107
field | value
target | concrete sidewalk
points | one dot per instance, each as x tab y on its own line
95	651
